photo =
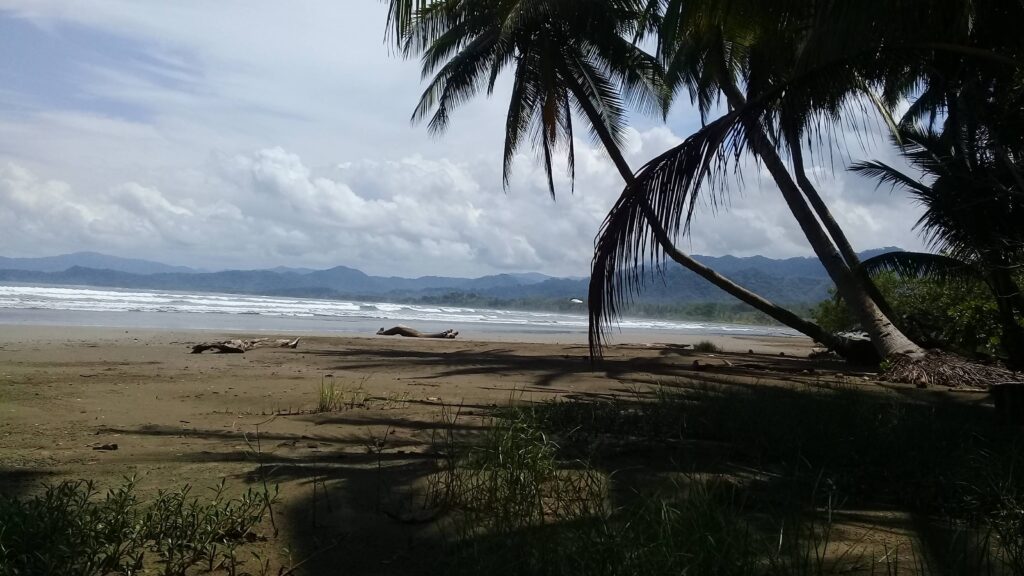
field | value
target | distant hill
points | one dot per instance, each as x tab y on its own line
787	281
804	267
89	260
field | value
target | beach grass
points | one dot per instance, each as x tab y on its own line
333	397
706	346
736	480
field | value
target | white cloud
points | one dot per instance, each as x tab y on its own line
255	134
410	216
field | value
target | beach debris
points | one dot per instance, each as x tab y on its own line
413	333
107	447
819	352
939	369
242	346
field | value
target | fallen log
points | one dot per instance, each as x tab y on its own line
413	333
242	346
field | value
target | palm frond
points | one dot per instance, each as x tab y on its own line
561	52
912	265
626	252
456	82
886	174
401	14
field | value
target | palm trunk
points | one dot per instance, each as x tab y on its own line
769	308
832	227
1012	338
887	339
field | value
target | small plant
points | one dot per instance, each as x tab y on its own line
706	346
333	398
393	400
328	399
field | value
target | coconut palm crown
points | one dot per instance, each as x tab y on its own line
562	55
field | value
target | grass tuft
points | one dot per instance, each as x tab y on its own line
334	398
706	346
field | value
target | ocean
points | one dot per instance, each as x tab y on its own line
85	306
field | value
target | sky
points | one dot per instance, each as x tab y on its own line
257	133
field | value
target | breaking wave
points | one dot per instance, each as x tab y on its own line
114	300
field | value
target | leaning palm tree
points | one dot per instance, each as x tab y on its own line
796	70
565	56
744	53
974	206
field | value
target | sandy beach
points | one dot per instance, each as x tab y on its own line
64	389
179	418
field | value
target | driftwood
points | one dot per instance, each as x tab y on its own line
241	346
413	333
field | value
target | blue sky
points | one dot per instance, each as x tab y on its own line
259	133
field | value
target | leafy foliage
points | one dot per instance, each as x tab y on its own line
70	530
783	465
960	315
803	73
973	208
922	264
564	56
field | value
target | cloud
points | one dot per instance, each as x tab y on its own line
411	216
255	134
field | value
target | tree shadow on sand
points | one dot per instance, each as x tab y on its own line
548	371
901	458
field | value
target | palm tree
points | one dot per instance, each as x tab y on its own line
798	68
565	56
713	49
974	207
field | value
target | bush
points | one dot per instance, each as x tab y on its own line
706	346
961	316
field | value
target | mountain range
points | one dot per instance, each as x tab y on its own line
791	280
89	260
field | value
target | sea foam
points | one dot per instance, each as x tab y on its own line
123	300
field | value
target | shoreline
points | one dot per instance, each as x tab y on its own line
735	342
218	312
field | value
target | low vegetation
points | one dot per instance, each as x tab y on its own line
755	481
334	396
960	316
700	478
706	346
71	529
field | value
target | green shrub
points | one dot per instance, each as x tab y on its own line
70	530
962	316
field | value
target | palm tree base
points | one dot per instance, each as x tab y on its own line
946	370
855	351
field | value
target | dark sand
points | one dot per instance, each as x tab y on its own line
181	418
